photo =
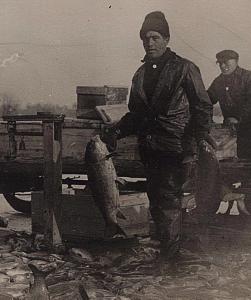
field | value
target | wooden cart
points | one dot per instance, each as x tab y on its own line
21	148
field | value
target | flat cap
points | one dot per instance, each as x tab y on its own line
226	55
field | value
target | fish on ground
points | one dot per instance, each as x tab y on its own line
102	180
82	292
4	296
3	222
39	289
81	254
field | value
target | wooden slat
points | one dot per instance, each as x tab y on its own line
82	123
111	113
77	133
82	219
90	90
242	190
52	182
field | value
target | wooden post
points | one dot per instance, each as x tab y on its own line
52	133
52	137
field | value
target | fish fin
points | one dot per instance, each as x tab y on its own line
83	293
114	230
36	271
120	215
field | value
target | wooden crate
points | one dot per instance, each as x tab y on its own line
88	97
81	219
226	142
76	134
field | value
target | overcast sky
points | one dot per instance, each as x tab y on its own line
48	47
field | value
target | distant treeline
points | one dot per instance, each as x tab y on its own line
10	106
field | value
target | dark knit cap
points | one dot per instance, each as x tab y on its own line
155	21
226	55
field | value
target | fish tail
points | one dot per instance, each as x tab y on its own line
38	273
113	229
83	293
120	215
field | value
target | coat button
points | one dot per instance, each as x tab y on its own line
148	137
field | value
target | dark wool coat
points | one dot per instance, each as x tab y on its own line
233	92
179	106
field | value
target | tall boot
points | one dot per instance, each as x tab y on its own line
171	235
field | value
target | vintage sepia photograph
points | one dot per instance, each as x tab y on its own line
125	149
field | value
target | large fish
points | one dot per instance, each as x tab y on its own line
208	185
38	290
102	180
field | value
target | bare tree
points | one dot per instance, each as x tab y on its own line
8	104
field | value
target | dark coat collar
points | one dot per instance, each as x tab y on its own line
167	55
165	59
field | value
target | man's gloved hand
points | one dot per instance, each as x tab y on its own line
109	136
208	139
232	123
189	159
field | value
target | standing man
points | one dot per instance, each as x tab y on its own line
168	107
232	89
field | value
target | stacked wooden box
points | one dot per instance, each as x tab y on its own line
88	97
81	219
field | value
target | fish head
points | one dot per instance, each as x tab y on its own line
95	150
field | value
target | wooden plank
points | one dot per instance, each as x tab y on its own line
82	219
76	134
115	94
87	113
111	113
75	141
52	182
90	97
235	170
242	190
82	123
126	165
90	90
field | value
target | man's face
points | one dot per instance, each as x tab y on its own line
155	44
228	66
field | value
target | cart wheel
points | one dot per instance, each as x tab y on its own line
20	205
208	183
248	202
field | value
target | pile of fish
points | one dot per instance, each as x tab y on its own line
28	272
127	268
214	262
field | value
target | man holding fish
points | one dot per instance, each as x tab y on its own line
168	109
